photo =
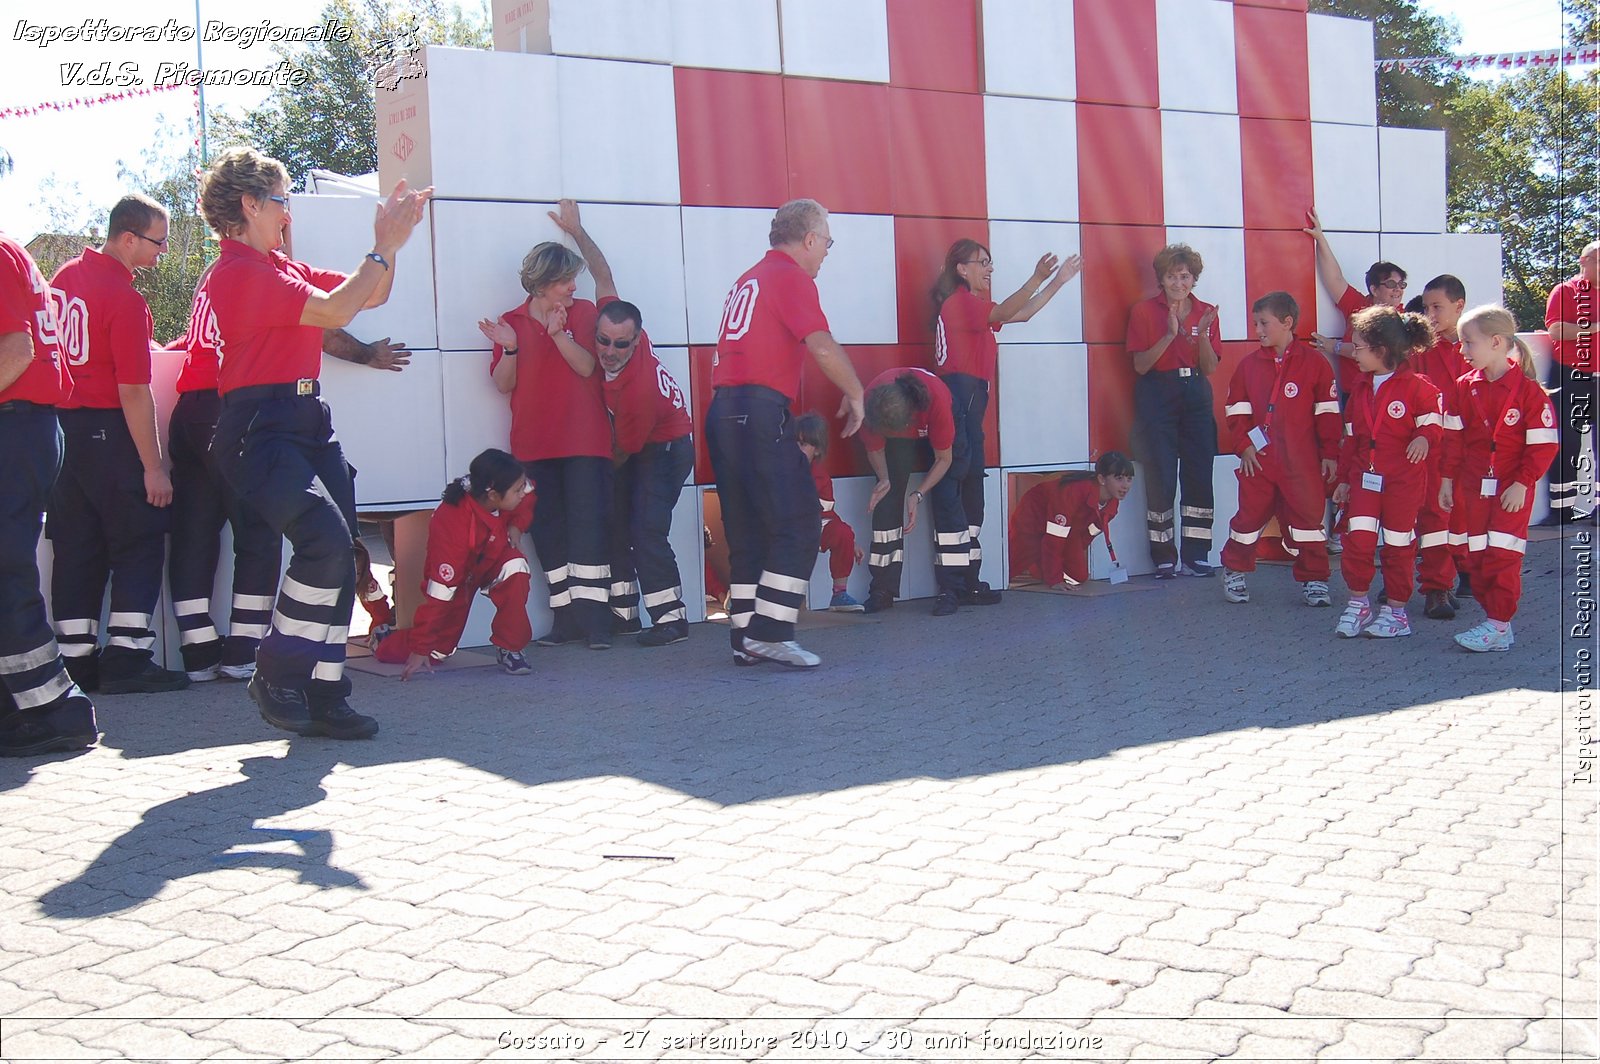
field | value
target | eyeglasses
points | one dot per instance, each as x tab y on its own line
828	239
985	263
1397	286
618	345
158	243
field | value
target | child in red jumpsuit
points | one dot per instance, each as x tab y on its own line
838	538
472	546
1507	441
1056	520
1392	421
1283	416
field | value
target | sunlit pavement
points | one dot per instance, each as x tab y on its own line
1148	825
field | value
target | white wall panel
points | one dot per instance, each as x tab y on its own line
719	244
391	426
1204	150
993	571
1345	175
1225	483
1044	403
1016	247
1029	48
1222	281
476	415
1032	158
1473	257
619	132
846	39
478	250
857	282
1411	180
1343	78
335	231
612	29
644	245
1355	252
726	34
1194	39
850	495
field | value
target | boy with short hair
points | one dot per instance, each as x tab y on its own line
1443	301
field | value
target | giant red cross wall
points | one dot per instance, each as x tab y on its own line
1106	128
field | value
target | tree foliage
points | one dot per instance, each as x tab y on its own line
1410	97
330	122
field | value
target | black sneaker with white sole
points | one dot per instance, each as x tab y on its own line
337	720
281	707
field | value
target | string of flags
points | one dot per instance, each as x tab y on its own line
1548	59
85	101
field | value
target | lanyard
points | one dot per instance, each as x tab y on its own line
1493	425
1277	390
1372	428
1105	529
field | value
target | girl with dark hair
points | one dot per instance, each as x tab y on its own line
1055	521
472	546
965	320
1392	421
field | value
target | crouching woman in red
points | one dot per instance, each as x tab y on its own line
472	546
1506	442
1057	520
1392	421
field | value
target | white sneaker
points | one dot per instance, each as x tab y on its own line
787	653
1356	617
204	675
1389	625
1233	586
1486	637
239	672
1315	593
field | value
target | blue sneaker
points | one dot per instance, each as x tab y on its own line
843	603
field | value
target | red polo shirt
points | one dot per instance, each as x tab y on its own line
1573	301
1147	323
257	299
646	404
105	329
199	344
554	412
26	306
964	342
769	313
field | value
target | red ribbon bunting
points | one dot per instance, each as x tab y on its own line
1507	61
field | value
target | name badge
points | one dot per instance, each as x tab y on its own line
1119	575
1488	487
1371	481
1258	438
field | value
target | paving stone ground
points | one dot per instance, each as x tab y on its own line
1135	826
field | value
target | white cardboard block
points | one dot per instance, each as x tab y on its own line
1355	252
1029	48
1204	149
1472	257
509	149
391	426
719	245
857	282
1044	404
726	34
993	538
335	231
1411	180
619	132
846	39
1194	40
1225	485
612	29
1344	161
1344	86
476	415
478	252
1031	161
644	245
1016	247
1222	281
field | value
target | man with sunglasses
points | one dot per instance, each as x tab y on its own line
654	451
108	514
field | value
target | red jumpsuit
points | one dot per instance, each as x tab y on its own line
1052	528
1378	430
1508	433
469	550
1442	364
1292	401
838	538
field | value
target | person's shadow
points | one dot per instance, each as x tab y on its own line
211	829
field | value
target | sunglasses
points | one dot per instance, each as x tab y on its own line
619	345
158	243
